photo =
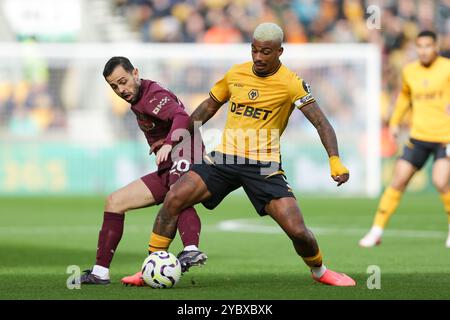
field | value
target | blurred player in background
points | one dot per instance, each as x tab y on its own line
261	94
426	91
159	114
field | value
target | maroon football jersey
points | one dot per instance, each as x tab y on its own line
159	113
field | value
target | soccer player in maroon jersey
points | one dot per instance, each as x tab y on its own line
159	114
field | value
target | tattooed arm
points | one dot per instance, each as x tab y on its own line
205	111
326	132
314	114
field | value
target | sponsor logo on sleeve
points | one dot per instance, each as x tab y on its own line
302	101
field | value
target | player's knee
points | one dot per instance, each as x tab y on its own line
440	183
399	184
173	202
114	204
299	233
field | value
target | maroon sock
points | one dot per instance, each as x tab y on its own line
109	237
189	226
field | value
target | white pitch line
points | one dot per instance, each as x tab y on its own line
237	225
251	226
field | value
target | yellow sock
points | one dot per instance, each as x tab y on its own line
158	243
388	203
314	261
446	200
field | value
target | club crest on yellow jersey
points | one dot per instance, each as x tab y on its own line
253	94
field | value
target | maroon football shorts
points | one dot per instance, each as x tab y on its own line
159	182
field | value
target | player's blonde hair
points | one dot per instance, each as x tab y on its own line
268	31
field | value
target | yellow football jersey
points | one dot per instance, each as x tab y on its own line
427	92
258	109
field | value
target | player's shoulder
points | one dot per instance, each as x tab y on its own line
157	92
155	96
149	88
156	88
245	67
296	86
288	74
285	70
444	61
411	67
414	66
291	78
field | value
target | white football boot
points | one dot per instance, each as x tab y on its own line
372	238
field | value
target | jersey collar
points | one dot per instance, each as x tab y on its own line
266	75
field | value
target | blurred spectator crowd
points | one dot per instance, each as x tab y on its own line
30	104
37	107
304	21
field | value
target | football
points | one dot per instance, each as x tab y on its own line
161	269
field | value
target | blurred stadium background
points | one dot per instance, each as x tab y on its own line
62	130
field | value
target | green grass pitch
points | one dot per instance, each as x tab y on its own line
249	257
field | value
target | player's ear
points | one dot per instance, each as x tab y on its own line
437	45
280	51
136	74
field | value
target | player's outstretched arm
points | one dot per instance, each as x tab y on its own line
205	111
314	114
402	105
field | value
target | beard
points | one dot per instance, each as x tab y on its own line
137	95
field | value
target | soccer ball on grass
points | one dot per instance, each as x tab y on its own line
161	269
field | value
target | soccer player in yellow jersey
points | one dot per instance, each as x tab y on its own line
261	95
426	91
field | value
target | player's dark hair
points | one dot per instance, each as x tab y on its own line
427	33
116	61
